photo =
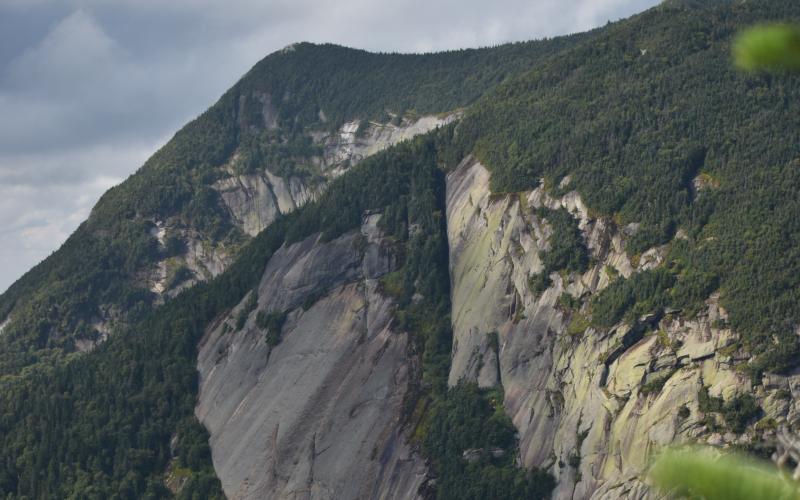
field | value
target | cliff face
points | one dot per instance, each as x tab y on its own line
590	405
253	201
317	415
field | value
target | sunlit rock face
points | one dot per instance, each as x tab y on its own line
591	406
317	415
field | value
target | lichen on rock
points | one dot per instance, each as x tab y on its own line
592	406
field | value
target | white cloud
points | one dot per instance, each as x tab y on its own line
74	50
38	211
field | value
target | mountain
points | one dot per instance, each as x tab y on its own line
507	272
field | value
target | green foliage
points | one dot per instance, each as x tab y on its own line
738	412
118	407
656	384
178	276
633	115
392	283
567	250
642	293
99	426
271	323
701	473
539	282
173	245
774	47
577	324
708	403
246	310
286	155
408	184
471	418
264	121
568	303
345	83
633	112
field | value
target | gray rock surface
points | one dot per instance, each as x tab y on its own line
579	391
318	415
347	147
255	200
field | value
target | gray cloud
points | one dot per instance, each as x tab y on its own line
90	88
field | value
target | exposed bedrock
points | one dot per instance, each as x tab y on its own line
253	201
591	406
317	416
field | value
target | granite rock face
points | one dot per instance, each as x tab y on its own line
591	406
253	201
350	145
5	323
316	416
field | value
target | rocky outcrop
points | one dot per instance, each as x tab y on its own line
317	415
590	405
254	201
198	259
357	140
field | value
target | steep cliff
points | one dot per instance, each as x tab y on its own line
317	414
253	200
590	404
296	120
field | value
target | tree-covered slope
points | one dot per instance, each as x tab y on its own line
654	125
97	279
646	117
102	425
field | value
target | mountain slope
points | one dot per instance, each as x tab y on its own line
653	126
299	118
602	246
679	173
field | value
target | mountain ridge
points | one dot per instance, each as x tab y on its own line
633	149
177	182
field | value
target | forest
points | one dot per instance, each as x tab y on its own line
97	272
100	425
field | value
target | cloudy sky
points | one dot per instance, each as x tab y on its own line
90	88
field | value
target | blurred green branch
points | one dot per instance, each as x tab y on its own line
771	48
707	474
